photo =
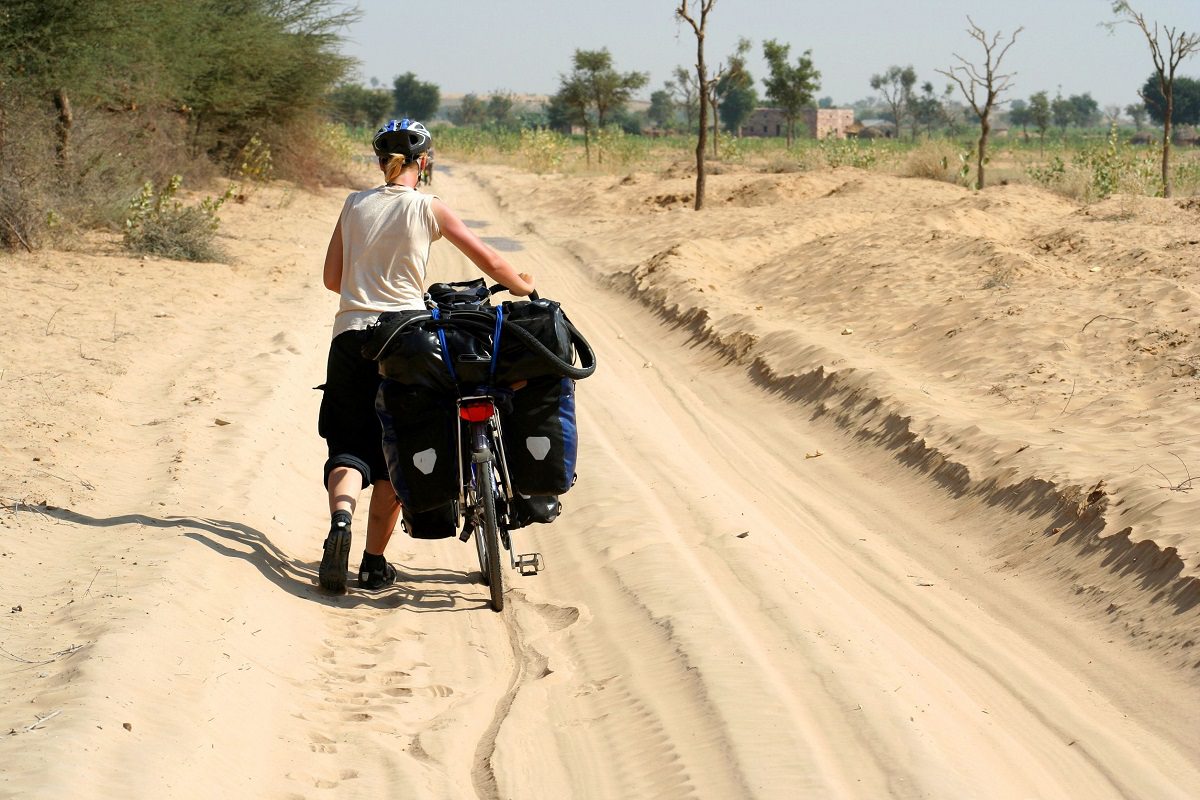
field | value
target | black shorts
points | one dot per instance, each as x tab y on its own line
347	421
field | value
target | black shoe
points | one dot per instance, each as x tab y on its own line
336	558
377	578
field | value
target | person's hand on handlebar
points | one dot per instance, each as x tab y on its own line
528	288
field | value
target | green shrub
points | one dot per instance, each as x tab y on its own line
160	225
848	153
543	149
616	148
1116	167
1050	175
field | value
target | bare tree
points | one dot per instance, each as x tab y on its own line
704	81
714	103
896	87
685	85
982	85
1167	57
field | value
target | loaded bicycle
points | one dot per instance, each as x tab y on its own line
478	411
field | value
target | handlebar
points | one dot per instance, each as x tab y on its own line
499	287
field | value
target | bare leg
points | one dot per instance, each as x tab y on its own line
382	516
344	485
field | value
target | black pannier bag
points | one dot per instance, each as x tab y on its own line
536	339
545	321
436	523
409	350
541	441
418	443
524	510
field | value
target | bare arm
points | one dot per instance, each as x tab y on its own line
333	260
488	260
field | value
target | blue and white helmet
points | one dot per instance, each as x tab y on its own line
402	137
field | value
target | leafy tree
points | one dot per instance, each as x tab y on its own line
1062	111
699	24
608	91
571	104
593	85
1185	105
735	90
825	102
983	85
1018	114
471	111
357	106
928	110
500	109
560	115
663	108
1085	111
738	104
1167	57
1040	116
896	86
790	88
1137	113
415	99
223	71
229	67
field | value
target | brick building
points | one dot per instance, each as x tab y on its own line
821	123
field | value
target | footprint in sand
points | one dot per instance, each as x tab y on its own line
321	744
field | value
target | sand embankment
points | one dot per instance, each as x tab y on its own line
1012	345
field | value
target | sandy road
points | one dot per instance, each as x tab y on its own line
722	615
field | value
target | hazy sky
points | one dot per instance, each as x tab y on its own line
524	45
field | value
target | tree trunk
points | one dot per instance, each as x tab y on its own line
1166	156
716	129
981	156
702	138
62	128
587	146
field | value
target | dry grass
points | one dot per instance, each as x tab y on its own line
935	160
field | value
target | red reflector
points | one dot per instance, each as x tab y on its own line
477	412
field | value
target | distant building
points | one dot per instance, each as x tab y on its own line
828	123
821	123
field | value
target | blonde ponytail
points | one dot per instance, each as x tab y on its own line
392	167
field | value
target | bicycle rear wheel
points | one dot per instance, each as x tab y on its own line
487	534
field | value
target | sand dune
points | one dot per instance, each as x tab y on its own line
870	505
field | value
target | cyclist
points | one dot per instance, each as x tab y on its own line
376	262
427	172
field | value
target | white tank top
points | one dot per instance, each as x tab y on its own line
386	234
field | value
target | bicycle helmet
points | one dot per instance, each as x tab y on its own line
402	137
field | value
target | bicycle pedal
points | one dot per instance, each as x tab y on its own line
466	533
530	563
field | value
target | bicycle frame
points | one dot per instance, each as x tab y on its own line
480	422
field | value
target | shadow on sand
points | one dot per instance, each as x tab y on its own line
416	589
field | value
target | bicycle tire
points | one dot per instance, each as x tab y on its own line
480	541
489	529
